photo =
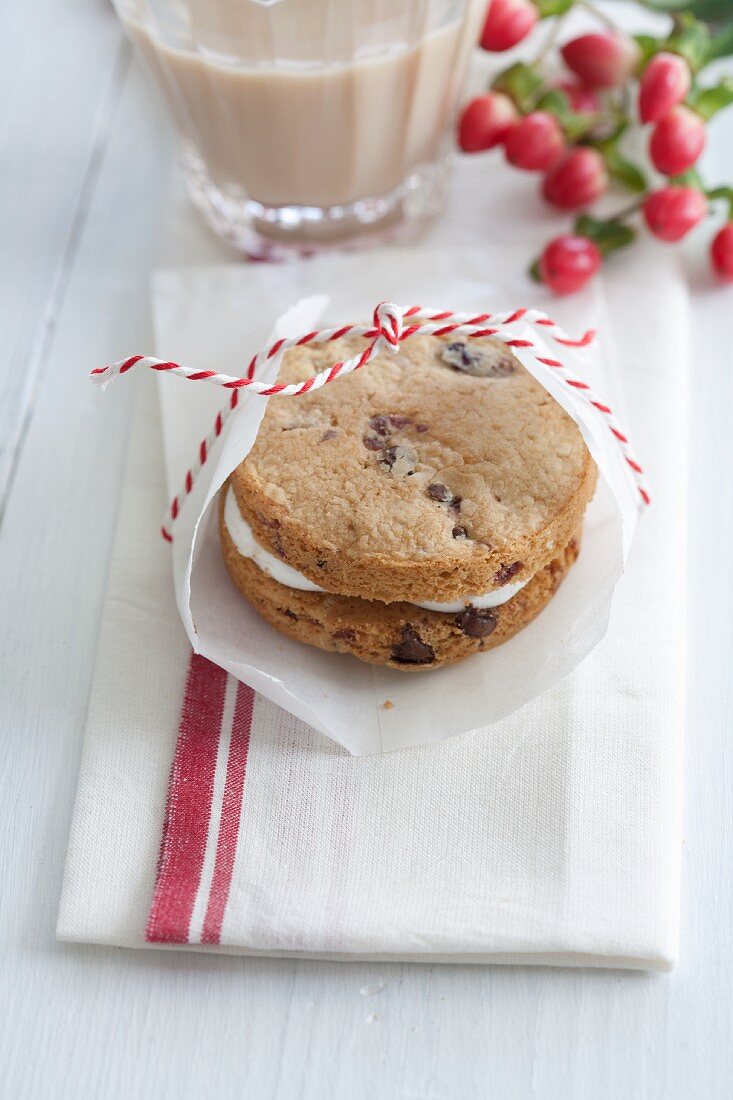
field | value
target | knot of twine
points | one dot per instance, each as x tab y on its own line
388	323
391	326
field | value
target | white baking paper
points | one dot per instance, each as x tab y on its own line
337	694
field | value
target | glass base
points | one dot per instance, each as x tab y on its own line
286	232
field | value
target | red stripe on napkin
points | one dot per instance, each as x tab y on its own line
231	810
188	807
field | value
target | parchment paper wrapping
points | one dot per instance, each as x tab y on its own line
337	694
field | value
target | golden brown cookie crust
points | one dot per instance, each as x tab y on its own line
412	479
399	635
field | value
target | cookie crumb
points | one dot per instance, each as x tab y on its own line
388	704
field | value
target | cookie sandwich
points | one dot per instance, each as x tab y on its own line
413	513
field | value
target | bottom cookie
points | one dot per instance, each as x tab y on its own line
399	635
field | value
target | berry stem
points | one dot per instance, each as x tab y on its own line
550	39
627	211
724	193
599	15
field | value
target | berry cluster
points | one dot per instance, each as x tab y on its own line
572	130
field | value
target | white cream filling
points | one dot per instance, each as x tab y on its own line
241	535
489	599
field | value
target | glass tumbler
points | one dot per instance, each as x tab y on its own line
308	124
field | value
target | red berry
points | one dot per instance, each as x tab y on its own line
535	143
665	83
721	253
601	60
677	141
569	262
673	211
507	22
577	180
485	122
581	97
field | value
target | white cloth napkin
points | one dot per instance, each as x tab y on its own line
550	837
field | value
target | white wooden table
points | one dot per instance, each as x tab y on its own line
86	177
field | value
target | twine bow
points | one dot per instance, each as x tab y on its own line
388	324
391	326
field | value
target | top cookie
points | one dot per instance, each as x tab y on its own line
441	471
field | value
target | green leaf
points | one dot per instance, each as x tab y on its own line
721	44
708	101
608	235
556	101
691	39
725	193
720	193
704	9
690	178
574	123
624	170
553	7
648	47
534	271
619	166
521	83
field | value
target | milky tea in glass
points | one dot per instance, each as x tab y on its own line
308	123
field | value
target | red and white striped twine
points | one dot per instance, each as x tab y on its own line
391	326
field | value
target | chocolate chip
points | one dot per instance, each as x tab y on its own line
437	491
272	523
411	649
330	434
501	364
380	425
376	439
421	428
321	563
488	362
278	548
381	428
459	532
290	614
477	622
399	461
345	635
505	574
